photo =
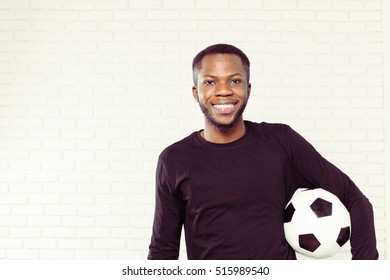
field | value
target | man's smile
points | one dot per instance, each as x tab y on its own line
225	107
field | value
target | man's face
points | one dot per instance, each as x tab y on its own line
222	89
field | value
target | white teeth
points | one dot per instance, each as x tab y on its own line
223	106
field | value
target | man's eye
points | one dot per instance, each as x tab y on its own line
235	81
209	82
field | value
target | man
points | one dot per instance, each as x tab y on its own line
228	184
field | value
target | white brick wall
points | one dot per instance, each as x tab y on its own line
91	91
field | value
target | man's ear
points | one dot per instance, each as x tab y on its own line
195	93
249	89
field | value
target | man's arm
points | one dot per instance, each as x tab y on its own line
321	173
168	218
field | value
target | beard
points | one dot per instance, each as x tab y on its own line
222	126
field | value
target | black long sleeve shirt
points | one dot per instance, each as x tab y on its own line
231	197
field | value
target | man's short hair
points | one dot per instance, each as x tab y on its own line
219	49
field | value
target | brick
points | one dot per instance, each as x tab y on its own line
111	199
61	15
87	47
88	189
124	188
13	155
228	15
93	123
44	133
110	177
112	222
28	210
75	244
12	112
314	5
46	25
348	5
332	37
129	14
109	244
45	5
76	112
93	144
368	102
368	147
59	188
78	5
25	188
373	37
11	5
96	15
57	144
286	26
137	244
378	180
95	233
60	123
77	133
30	79
44	222
194	14
132	233
315	26
40	244
112	4
61	210
374	5
22	254
9	221
365	15
133	210
280	5
94	211
350	135
91	254
111	133
376	135
44	199
25	121
76	199
47	254
75	177
96	79
5	211
332	15
372	169
163	14
78	222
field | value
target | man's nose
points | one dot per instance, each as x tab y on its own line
223	89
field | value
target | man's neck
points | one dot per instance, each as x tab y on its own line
215	135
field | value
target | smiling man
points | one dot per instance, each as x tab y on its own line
222	88
228	183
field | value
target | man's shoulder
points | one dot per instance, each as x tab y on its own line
267	127
179	146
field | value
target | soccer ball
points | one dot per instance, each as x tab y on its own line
316	223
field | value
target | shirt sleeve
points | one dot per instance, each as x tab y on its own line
312	169
168	218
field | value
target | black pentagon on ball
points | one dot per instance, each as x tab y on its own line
288	213
343	236
308	242
321	207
